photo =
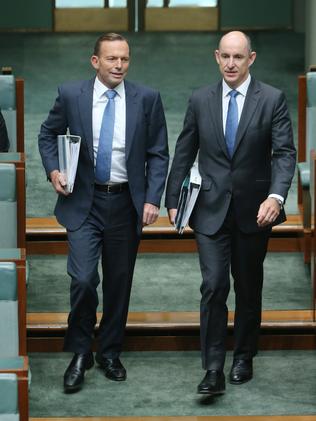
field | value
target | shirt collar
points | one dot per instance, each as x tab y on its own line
242	89
100	88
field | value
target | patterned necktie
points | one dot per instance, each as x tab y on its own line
104	156
231	122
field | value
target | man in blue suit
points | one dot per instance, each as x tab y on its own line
241	129
108	207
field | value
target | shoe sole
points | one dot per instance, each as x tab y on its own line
206	392
115	379
239	382
72	389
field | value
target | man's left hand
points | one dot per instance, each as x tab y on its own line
268	212
150	214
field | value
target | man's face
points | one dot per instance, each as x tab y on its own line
112	62
234	59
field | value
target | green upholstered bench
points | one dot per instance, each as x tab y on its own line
9	323
304	170
9	410
12	200
8	205
8	107
13	359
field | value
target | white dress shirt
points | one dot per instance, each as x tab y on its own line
118	164
240	99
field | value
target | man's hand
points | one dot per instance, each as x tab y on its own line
150	214
268	212
58	182
172	213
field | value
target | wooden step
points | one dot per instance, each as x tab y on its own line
190	418
158	331
47	236
166	321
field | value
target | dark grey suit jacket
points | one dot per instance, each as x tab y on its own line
146	147
263	161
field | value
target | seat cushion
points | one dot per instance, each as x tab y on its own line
8	393
8	281
7	92
304	172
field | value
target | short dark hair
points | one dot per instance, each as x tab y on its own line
110	36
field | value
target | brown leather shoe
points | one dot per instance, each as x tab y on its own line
113	368
213	383
241	371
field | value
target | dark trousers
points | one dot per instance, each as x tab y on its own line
110	233
243	254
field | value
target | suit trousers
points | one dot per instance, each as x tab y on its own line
109	233
243	254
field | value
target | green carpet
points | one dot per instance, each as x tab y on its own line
171	282
174	63
164	384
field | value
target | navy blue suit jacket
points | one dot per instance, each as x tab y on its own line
263	160
146	150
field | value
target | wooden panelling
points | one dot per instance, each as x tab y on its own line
301	130
175	320
181	19
46	236
91	20
19	87
192	418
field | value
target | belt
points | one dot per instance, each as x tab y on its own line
111	188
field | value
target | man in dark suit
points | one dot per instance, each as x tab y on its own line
4	140
242	131
105	213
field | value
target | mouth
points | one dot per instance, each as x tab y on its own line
117	75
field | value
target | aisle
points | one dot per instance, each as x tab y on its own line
164	384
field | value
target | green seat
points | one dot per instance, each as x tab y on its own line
9	410
9	323
13	360
8	206
304	170
8	107
304	167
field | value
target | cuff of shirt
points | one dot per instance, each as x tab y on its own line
279	198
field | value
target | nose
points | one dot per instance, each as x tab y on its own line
118	63
231	62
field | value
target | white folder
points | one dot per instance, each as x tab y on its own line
188	195
68	155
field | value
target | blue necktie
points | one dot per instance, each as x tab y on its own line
231	122
104	156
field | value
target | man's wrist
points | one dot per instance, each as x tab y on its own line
278	199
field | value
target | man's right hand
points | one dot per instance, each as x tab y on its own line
59	182
172	213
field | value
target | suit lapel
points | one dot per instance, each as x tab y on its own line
131	115
250	105
216	113
85	100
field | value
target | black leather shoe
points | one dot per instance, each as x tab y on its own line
74	375
241	371
213	383
113	368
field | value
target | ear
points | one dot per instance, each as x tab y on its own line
95	62
252	58
216	54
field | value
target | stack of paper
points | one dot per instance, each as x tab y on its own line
188	195
68	155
